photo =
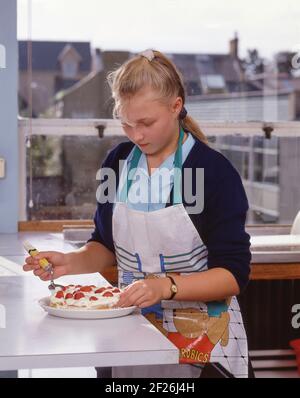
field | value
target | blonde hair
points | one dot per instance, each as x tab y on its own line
160	74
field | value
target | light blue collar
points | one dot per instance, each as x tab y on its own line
177	197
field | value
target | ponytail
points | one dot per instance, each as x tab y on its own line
193	127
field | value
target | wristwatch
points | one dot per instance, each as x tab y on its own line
173	287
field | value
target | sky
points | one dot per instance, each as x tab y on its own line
172	26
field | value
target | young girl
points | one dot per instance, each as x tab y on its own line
181	263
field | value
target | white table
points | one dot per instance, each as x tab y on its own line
33	339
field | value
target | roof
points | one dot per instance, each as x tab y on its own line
193	65
45	54
212	69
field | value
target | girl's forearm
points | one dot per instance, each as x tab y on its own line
92	257
213	285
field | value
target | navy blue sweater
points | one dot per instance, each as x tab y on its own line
221	224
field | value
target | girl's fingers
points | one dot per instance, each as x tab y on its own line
31	264
38	272
45	276
130	299
27	267
31	267
129	290
124	299
142	303
30	260
42	274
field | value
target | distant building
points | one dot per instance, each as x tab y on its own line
91	97
276	98
55	66
202	73
213	73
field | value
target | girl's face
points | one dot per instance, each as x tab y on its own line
149	123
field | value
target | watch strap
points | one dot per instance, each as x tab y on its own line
173	284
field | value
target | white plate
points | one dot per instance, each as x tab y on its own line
84	314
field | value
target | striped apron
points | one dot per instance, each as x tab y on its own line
166	242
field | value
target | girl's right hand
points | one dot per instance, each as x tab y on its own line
58	260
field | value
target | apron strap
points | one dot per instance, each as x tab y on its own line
177	195
137	153
134	162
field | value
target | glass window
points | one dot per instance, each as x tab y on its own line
230	80
69	69
63	182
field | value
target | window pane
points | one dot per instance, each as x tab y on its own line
64	175
270	171
227	78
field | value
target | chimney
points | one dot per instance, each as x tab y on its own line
97	61
234	46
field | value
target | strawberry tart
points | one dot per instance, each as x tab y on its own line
85	297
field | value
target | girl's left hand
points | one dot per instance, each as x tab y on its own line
144	293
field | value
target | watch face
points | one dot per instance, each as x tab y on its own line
174	289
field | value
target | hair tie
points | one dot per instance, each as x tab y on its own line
149	54
183	113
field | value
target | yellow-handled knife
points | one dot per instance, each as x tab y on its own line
32	251
44	263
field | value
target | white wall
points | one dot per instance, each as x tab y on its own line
8	115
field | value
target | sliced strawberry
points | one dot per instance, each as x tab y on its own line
107	294
109	287
60	294
69	296
93	298
78	296
93	286
77	286
100	290
86	289
116	290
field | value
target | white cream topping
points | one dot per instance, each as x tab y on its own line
85	301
